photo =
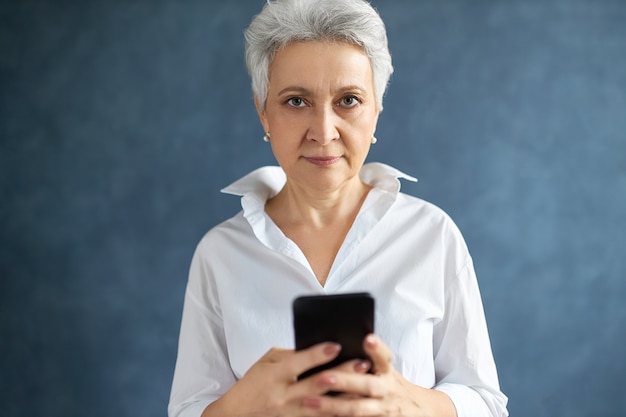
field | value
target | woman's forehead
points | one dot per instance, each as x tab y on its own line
320	64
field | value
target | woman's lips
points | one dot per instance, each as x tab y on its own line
322	161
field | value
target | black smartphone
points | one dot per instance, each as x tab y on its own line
341	318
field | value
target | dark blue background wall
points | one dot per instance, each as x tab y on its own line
120	121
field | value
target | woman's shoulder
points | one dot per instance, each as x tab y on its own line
232	229
428	214
424	207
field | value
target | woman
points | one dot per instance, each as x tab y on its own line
323	222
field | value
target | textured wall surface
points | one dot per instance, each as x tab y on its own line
120	121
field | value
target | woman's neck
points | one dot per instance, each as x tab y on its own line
317	222
301	207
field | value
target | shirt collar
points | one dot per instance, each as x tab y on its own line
265	182
262	184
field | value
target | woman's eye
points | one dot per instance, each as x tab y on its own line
296	102
349	101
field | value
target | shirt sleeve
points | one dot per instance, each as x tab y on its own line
202	372
464	364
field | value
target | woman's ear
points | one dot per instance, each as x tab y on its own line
260	110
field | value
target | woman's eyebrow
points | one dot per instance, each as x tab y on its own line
298	90
353	87
304	92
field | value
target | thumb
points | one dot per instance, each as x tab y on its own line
379	354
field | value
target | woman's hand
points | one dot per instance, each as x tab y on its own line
384	393
270	387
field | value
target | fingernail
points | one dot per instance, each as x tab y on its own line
312	402
362	366
332	348
328	380
370	339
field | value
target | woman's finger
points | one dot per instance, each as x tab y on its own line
379	353
345	407
306	359
354	384
359	366
323	382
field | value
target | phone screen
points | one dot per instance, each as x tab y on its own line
342	318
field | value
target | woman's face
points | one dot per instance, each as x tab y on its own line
321	113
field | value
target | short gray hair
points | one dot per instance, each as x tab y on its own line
285	21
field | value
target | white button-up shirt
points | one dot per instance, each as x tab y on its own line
406	252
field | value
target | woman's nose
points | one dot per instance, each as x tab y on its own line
323	126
